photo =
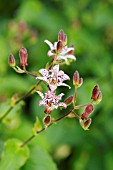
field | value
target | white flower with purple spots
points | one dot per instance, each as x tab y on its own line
50	101
54	77
64	54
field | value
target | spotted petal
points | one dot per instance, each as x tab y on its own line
40	94
56	68
44	72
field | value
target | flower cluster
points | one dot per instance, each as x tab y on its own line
53	77
59	50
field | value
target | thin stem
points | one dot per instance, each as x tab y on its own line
29	139
6	113
82	105
29	73
78	117
75	96
38	132
20	99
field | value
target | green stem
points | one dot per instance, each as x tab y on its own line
20	99
38	132
6	113
82	105
29	73
26	95
78	117
75	96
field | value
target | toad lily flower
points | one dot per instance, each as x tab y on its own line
59	50
54	77
50	101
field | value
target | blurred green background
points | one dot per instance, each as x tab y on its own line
89	26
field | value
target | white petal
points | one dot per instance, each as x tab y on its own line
60	95
62	104
50	53
55	45
63	75
66	50
63	84
44	72
41	103
62	57
40	94
70	49
71	56
42	78
50	44
56	68
66	77
52	87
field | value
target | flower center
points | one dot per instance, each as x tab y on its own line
53	81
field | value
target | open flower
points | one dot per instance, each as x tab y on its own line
59	50
54	77
50	101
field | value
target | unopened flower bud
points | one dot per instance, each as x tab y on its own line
95	92
72	51
62	37
48	110
99	98
77	81
88	110
12	62
47	120
96	95
69	100
59	46
23	57
85	125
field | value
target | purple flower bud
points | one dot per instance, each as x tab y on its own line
62	37
87	123
77	81
12	62
48	110
47	120
23	57
76	78
99	98
96	94
69	100
88	110
59	46
80	81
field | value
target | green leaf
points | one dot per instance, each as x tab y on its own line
37	126
13	156
39	159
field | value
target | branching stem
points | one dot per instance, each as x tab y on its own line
38	132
